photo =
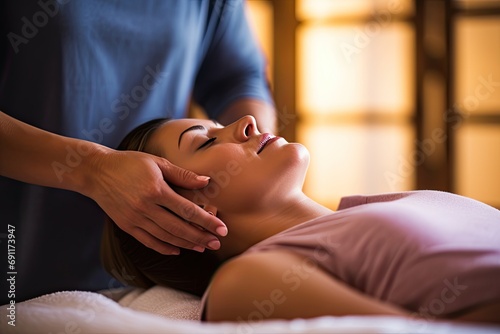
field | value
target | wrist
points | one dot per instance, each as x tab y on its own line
92	157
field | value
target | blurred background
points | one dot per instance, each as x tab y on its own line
388	95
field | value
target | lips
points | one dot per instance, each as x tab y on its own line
264	140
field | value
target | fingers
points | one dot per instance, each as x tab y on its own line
192	213
184	208
148	240
182	177
178	232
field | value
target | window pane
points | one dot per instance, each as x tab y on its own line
355	68
470	4
477	65
357	159
311	9
477	162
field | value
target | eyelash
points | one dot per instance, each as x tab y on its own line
207	143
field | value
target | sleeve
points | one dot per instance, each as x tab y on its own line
234	65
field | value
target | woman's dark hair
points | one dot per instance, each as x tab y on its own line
132	263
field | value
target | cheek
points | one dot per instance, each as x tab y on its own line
226	173
226	180
224	190
236	183
222	163
238	179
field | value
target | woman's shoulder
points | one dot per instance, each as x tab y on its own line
227	289
429	204
406	196
243	266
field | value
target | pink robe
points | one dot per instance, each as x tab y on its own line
430	252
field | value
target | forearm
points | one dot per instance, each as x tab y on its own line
263	112
130	187
39	157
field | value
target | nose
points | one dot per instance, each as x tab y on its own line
244	128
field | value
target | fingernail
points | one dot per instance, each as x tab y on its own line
221	230
199	249
202	178
214	244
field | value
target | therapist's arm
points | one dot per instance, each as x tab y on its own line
263	112
129	186
232	81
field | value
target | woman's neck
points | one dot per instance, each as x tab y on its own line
247	229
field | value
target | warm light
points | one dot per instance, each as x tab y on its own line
345	72
357	159
319	9
477	65
355	68
478	162
469	4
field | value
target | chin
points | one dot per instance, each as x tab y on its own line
283	172
299	154
293	164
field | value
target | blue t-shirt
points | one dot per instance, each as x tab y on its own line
94	70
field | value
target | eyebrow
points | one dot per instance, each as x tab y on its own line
194	127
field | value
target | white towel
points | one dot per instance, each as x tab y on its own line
88	312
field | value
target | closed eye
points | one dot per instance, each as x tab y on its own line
207	143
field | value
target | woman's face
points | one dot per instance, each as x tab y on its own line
247	169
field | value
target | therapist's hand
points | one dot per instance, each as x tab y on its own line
131	188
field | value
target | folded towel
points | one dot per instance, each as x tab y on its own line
163	301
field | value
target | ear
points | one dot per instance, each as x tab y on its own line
210	209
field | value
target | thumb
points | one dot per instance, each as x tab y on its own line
181	177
